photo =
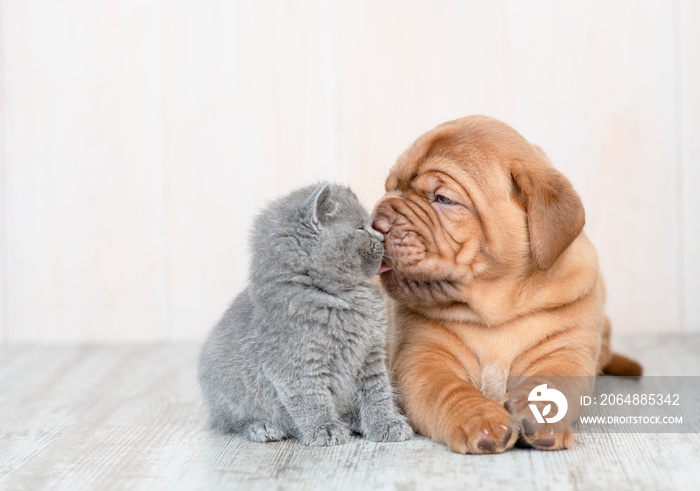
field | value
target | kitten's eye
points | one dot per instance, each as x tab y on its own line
361	227
443	201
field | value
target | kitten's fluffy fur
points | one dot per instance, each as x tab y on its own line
300	352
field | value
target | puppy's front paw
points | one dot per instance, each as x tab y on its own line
331	433
394	430
485	429
547	436
542	436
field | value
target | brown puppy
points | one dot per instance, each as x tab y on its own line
490	277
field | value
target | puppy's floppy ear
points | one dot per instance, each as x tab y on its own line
554	210
319	206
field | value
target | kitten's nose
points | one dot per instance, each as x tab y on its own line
382	225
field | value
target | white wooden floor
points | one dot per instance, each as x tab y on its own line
131	418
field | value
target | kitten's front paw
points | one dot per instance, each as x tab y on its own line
260	431
396	430
327	434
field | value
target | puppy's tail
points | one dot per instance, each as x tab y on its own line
622	366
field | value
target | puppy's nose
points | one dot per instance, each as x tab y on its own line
382	225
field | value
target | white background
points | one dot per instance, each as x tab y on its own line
138	138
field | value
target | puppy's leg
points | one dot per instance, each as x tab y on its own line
442	403
570	357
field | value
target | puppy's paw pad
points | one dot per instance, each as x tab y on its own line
548	436
488	431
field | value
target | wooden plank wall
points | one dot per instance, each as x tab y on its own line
3	276
689	150
138	138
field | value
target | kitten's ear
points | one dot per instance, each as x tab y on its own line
319	206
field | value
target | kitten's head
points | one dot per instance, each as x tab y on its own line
322	232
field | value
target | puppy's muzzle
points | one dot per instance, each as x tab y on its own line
381	225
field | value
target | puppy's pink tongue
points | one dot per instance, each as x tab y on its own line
384	268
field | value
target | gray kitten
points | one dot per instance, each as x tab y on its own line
300	352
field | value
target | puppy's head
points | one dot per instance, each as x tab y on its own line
472	200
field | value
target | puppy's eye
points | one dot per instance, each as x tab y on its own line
443	201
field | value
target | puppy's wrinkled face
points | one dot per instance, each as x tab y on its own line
456	211
434	237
